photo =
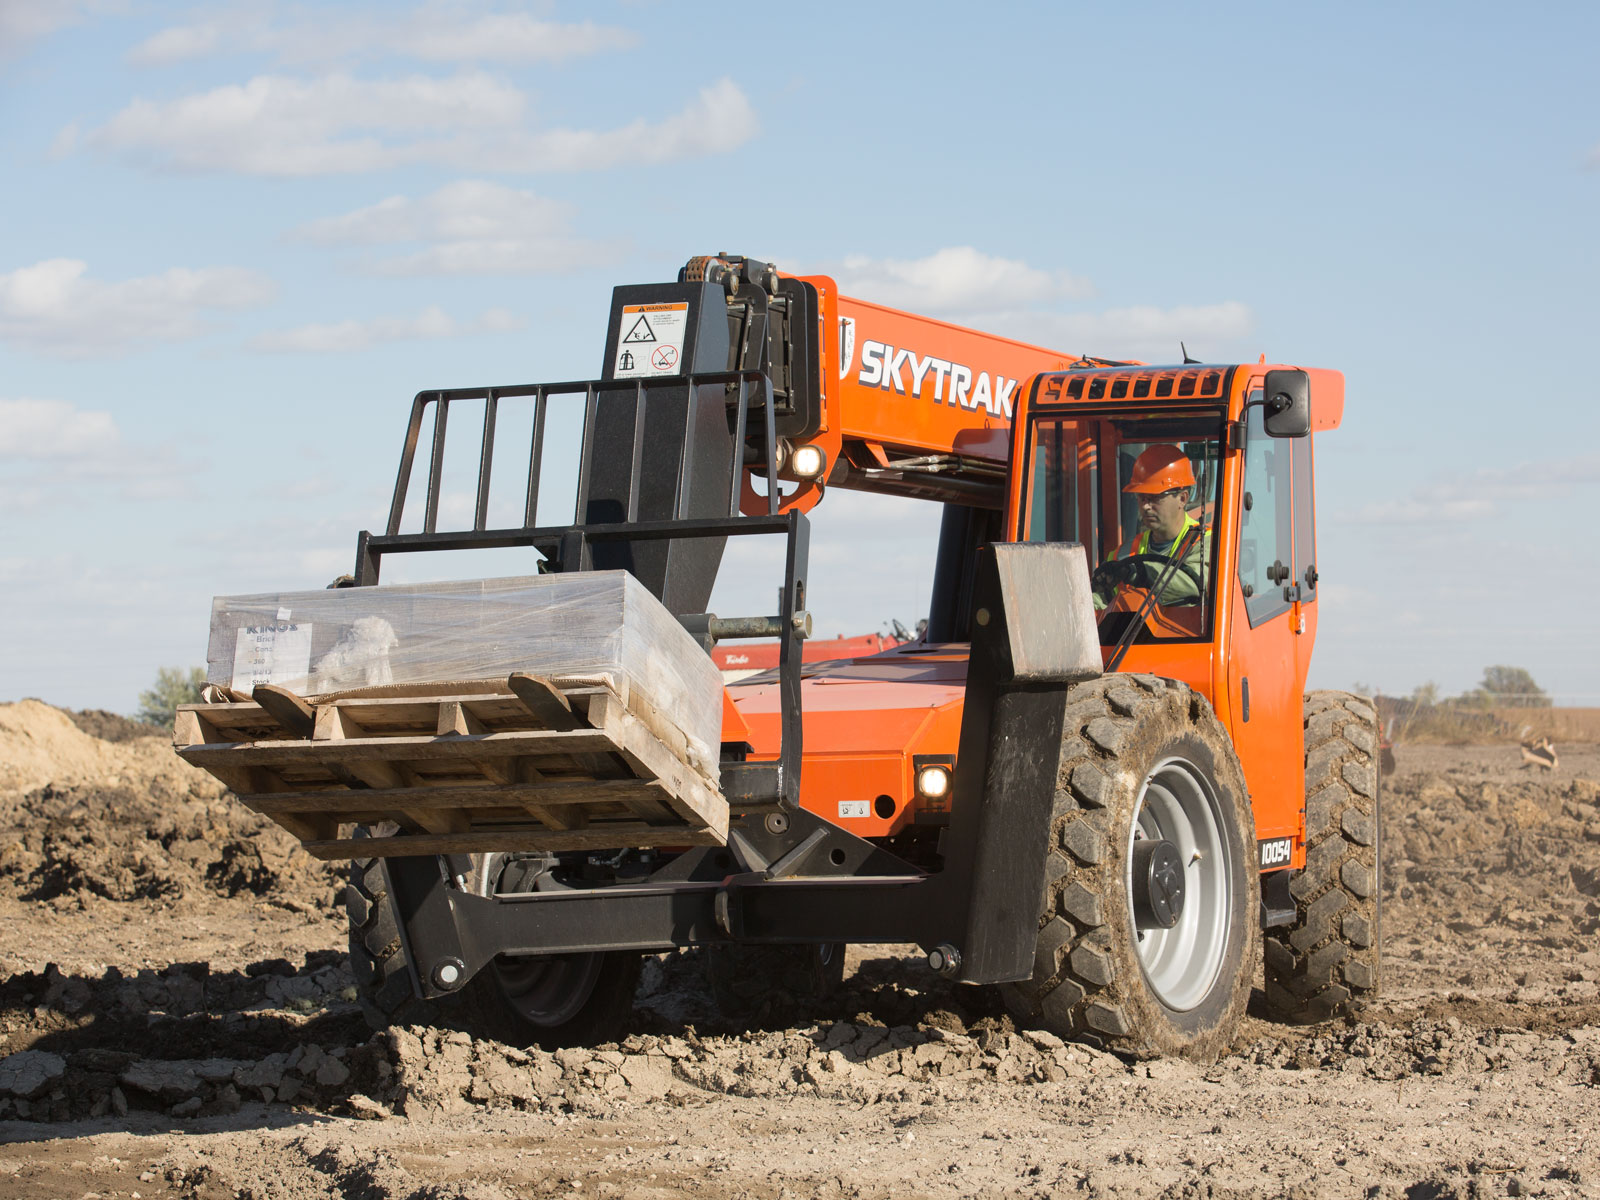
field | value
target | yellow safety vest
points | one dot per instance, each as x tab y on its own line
1141	543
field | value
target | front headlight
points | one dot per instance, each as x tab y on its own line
933	783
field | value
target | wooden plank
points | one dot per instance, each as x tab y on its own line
687	794
287	709
240	715
455	719
241	781
335	725
599	837
562	794
189	728
309	827
544	700
439	820
534	742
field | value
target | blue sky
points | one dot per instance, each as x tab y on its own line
238	238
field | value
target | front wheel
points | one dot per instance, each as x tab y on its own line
1148	938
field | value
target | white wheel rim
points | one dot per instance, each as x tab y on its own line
1181	964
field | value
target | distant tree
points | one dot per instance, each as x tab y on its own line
1425	694
173	686
1511	687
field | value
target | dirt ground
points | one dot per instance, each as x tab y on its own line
177	1020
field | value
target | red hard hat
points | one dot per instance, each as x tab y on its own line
1160	469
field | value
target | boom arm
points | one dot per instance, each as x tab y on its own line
895	402
917	406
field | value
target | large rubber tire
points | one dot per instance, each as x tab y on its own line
1327	963
755	983
1145	757
383	977
561	1000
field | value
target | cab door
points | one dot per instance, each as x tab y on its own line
1266	668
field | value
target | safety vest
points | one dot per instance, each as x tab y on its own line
1141	543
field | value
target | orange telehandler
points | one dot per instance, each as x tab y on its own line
1094	781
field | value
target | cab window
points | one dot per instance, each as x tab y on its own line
1265	521
1139	491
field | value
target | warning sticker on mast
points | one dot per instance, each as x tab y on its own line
652	340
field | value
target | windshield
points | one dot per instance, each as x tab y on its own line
1139	491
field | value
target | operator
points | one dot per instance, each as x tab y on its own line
1163	483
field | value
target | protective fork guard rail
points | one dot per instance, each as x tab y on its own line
812	881
747	786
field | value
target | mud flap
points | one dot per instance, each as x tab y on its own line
1033	636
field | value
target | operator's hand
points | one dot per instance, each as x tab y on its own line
1109	574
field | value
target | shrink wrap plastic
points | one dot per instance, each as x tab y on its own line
589	627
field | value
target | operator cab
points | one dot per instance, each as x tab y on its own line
1139	485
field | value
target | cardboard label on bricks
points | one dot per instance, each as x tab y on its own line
277	653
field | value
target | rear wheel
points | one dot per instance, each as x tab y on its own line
553	1000
556	1000
1148	938
1327	963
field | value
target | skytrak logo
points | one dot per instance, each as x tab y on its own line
954	383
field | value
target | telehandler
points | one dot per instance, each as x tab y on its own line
1094	781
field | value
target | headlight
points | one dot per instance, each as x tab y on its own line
933	782
807	462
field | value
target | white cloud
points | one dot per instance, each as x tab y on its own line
23	21
1485	492
53	448
719	119
471	227
431	33
178	43
53	429
345	336
56	308
1012	298
954	279
336	124
276	125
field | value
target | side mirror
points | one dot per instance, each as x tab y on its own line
1288	404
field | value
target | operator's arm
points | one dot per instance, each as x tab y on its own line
1186	583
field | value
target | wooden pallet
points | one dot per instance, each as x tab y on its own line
516	764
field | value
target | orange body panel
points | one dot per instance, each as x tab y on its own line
866	719
895	384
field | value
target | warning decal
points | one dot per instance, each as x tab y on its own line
652	340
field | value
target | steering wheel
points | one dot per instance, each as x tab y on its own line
1142	571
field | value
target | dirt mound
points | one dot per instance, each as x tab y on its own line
113	727
129	820
1490	879
42	745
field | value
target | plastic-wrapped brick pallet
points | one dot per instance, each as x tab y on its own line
593	627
